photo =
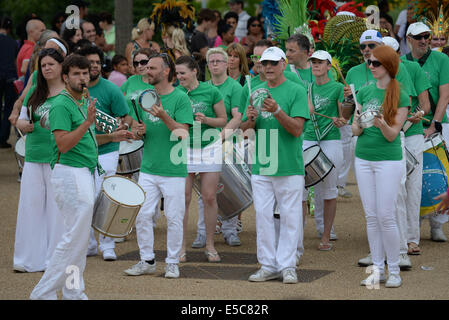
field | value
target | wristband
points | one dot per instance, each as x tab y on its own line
127	125
277	111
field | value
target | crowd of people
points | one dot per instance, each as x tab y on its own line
226	77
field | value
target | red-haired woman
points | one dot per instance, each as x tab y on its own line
378	164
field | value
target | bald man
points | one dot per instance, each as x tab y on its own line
34	29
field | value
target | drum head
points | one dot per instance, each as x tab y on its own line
257	97
147	99
129	147
310	153
123	190
20	147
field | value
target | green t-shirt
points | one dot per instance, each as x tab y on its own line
306	75
65	115
231	91
203	99
38	144
287	153
436	69
371	144
157	153
325	99
132	88
111	101
421	84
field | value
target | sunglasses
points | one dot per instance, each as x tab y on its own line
255	25
374	63
371	46
273	63
439	39
254	57
141	62
421	36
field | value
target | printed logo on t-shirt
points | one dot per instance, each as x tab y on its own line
198	106
320	102
373	104
42	109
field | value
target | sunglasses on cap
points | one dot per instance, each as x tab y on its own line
143	62
374	63
271	62
421	36
371	46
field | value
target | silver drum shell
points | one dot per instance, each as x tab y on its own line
317	169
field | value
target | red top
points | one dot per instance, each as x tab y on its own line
25	53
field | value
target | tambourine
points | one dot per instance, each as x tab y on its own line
148	98
257	97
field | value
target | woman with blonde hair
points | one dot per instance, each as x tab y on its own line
378	162
237	63
175	42
141	37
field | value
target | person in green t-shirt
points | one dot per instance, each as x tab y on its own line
378	164
164	170
205	152
73	162
237	63
110	100
278	119
39	221
325	98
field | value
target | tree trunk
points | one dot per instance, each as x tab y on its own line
123	14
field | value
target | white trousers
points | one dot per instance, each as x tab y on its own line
378	183
287	192
348	155
228	226
108	162
39	223
173	191
74	191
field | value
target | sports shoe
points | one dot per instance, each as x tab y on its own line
233	240
342	192
394	281
172	270
109	255
365	262
92	252
372	278
263	275
141	268
289	276
437	235
404	262
200	241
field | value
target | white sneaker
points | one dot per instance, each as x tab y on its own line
289	276
365	262
373	278
394	281
263	275
109	255
141	268
172	270
200	241
342	192
233	240
437	235
404	262
92	252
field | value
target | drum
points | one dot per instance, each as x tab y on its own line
434	175
347	108
234	193
411	161
257	97
19	152
148	98
130	157
366	119
117	206
317	165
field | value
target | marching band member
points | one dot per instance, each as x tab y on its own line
282	180
160	175
205	152
217	60
378	164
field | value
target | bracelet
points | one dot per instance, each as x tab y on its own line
127	125
277	111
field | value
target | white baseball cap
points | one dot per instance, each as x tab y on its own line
417	28
273	54
321	55
371	35
391	42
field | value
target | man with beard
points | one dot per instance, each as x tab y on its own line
164	171
111	101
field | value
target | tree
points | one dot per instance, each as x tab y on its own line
123	24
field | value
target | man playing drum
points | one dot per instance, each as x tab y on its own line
161	173
281	180
111	101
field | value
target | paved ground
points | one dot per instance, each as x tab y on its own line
322	275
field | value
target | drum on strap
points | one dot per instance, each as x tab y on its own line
117	206
317	165
234	193
130	157
366	119
434	175
411	161
347	108
19	152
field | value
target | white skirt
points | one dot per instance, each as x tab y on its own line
207	159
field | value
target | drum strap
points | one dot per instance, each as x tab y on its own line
293	69
319	135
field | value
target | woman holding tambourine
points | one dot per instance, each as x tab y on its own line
205	152
378	164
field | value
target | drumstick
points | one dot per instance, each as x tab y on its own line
427	120
135	110
341	74
355	98
20	132
322	115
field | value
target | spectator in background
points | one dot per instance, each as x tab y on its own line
7	76
89	32
57	22
384	8
230	18
255	34
108	28
72	36
34	28
212	33
199	42
237	63
226	33
385	23
121	69
175	42
237	7
405	19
